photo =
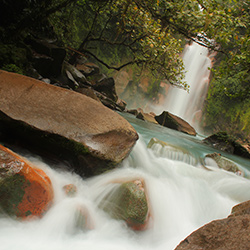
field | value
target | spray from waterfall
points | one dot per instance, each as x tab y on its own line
189	105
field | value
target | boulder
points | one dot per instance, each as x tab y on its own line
24	190
128	202
241	209
70	190
224	142
146	117
82	219
106	86
76	74
174	122
224	163
226	234
47	57
89	92
62	124
88	69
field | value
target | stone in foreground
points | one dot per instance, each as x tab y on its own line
24	190
227	234
128	202
63	124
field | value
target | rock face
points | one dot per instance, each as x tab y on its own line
63	123
226	234
174	122
129	203
24	190
224	142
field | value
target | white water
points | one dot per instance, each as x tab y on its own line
189	105
182	198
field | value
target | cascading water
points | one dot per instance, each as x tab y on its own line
189	105
183	196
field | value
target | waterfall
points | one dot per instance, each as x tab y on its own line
189	105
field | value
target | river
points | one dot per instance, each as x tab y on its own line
183	196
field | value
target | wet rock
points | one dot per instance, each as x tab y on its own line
121	104
24	190
70	190
224	142
62	124
224	163
83	220
89	92
146	117
174	122
133	111
129	203
163	149
241	209
226	234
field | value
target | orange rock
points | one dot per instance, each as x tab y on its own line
24	190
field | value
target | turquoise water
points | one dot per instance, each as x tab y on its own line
182	198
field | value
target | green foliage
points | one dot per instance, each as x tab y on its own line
12	68
147	36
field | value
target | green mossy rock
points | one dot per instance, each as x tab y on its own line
226	143
225	163
129	203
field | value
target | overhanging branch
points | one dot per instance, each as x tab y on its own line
102	62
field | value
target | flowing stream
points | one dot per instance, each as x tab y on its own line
183	196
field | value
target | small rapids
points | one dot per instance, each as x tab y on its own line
182	198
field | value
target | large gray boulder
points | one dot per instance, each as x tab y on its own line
62	123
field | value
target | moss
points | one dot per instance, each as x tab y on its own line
127	203
11	193
11	54
52	147
12	68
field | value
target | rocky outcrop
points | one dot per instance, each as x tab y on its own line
24	190
226	234
129	203
174	122
224	142
63	124
224	163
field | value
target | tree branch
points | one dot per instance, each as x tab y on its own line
102	62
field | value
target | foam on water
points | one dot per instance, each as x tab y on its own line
182	198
